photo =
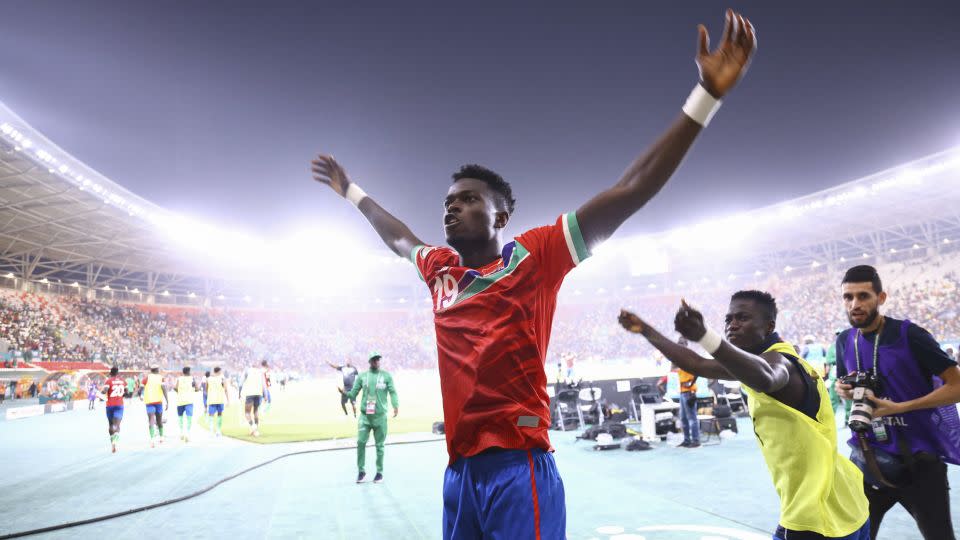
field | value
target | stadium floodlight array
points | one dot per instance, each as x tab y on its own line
60	167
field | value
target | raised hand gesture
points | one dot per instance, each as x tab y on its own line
689	322
327	171
721	69
631	322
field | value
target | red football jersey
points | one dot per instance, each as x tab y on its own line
115	388
493	326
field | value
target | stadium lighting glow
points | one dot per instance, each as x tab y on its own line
946	240
652	286
843	259
787	268
192	295
220	297
75	285
915	246
247	299
758	273
601	290
402	300
165	293
815	264
10	275
865	255
893	250
627	288
106	287
135	291
45	281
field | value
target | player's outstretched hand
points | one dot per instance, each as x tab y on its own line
689	322
721	69
327	171
339	389
396	411
631	322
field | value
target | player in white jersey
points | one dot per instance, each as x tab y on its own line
252	388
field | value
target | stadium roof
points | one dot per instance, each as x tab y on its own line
61	221
887	215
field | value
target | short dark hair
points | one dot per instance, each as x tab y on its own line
114	370
864	273
216	369
154	370
763	299
493	180
264	363
207	374
186	370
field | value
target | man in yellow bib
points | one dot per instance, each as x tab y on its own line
216	399
821	492
186	395
153	394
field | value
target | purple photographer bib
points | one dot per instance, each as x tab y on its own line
936	431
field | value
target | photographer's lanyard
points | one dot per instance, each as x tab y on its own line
371	407
876	346
879	430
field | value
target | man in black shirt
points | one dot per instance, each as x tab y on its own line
915	419
349	376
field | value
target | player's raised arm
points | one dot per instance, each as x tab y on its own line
394	233
719	72
766	373
684	357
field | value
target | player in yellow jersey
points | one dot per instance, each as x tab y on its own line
217	397
821	495
153	394
186	395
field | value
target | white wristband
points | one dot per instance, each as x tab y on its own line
701	106
710	341
354	194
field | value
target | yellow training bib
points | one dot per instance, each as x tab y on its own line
820	490
215	393
153	389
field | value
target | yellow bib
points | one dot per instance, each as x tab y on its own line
820	490
185	391
153	390
215	393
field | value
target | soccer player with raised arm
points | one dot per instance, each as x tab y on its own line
494	302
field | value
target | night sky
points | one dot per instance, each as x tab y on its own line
215	109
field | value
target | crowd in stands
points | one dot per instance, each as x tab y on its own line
38	327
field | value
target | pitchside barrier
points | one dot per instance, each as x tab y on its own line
29	411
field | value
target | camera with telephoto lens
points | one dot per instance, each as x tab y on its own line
865	387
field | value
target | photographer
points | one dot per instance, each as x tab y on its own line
915	429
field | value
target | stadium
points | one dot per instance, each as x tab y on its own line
94	276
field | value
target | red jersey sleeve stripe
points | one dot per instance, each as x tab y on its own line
573	236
